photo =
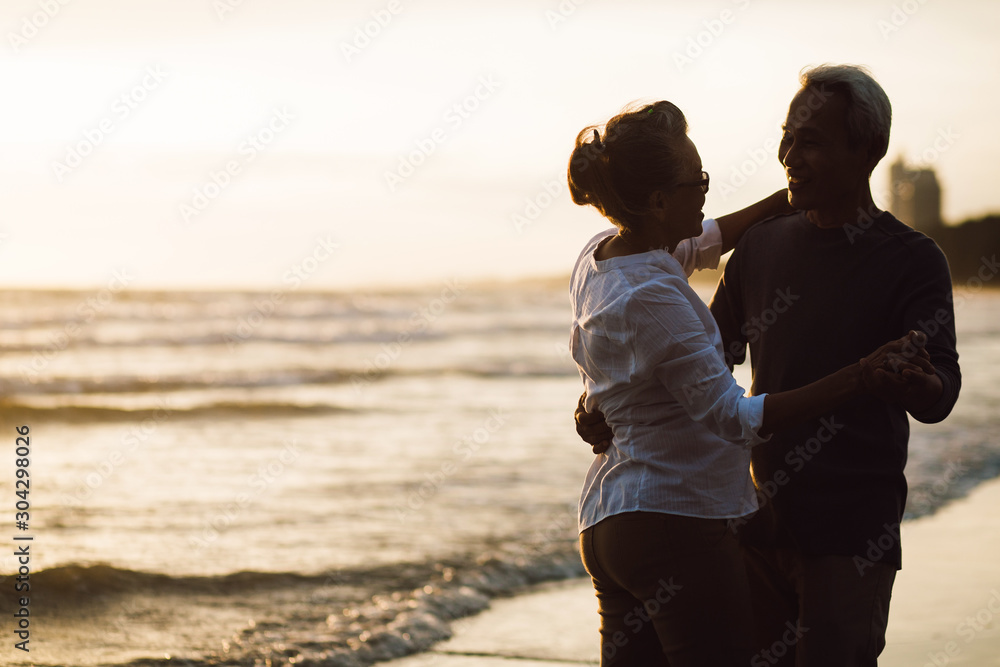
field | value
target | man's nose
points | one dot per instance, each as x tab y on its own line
790	157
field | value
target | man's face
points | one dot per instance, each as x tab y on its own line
823	170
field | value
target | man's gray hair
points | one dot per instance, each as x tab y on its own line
869	113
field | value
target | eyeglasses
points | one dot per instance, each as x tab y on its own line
703	183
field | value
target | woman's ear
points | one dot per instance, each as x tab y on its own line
658	203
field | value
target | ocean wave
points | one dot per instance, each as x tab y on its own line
129	384
494	573
80	583
87	413
227	339
212	333
946	464
347	618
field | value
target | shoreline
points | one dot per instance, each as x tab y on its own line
945	607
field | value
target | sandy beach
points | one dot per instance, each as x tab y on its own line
945	607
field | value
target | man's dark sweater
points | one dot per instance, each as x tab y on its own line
809	301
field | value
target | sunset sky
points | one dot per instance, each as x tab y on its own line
229	143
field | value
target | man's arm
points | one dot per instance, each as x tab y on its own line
727	309
733	225
930	309
902	358
592	428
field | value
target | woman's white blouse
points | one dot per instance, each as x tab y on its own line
651	359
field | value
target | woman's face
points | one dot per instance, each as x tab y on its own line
684	202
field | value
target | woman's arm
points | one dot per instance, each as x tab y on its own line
905	359
786	408
733	225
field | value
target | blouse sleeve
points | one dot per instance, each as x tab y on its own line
673	345
701	252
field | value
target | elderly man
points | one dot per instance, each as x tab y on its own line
823	550
809	293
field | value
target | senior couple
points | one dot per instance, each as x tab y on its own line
722	529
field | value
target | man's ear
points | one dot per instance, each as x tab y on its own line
874	157
871	164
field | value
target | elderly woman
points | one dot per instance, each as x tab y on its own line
655	505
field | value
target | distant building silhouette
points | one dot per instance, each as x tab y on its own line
970	247
916	197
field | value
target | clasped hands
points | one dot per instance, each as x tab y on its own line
899	372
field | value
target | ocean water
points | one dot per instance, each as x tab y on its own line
232	478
